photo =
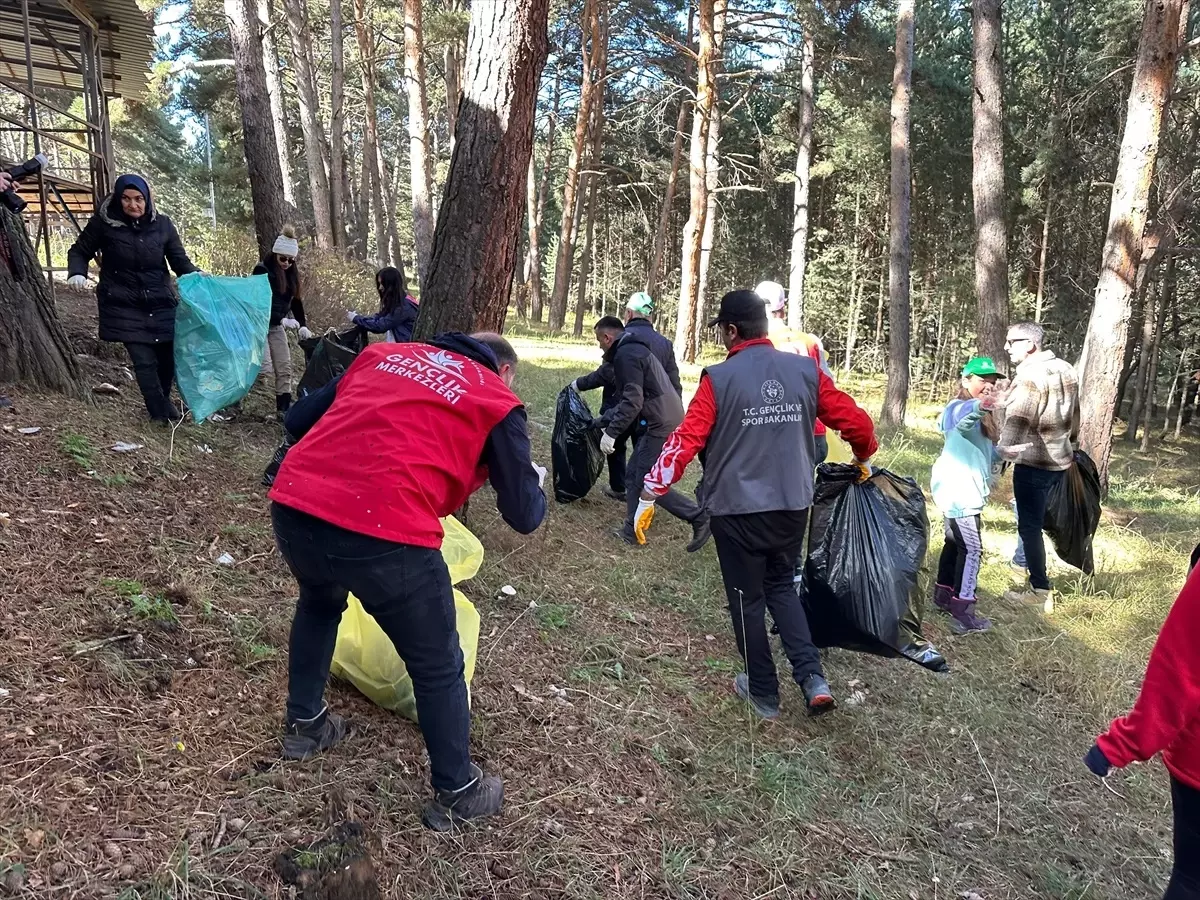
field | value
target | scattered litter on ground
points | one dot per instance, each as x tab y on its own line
125	447
204	448
5	692
106	388
508	591
29	430
224	560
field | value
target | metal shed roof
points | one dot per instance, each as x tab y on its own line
125	33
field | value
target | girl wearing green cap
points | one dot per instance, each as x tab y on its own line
962	481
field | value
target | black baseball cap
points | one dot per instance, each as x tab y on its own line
740	306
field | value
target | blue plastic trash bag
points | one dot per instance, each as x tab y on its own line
220	333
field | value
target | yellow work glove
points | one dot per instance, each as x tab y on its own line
642	519
865	470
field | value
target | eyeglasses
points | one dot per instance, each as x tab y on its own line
285	260
1013	341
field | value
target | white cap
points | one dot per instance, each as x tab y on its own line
773	295
286	245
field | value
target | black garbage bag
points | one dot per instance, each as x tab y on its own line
328	356
272	469
575	453
1073	513
866	548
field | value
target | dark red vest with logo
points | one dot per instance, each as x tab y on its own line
400	447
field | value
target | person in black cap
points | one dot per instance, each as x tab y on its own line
753	417
646	398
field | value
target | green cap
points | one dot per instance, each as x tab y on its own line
641	303
981	366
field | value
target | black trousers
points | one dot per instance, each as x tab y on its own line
1185	873
758	554
617	461
154	369
645	455
407	590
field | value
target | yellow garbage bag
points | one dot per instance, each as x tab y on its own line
364	655
839	450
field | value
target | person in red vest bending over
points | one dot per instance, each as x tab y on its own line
790	340
400	440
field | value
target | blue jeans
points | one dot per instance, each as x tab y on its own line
407	590
1018	554
1031	489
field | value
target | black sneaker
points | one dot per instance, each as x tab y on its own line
701	532
817	695
765	707
483	796
283	402
620	534
302	740
613	495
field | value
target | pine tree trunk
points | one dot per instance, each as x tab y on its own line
258	133
595	162
658	249
900	255
1040	300
337	127
1143	366
693	229
310	119
475	243
533	264
362	204
278	109
366	57
34	349
712	175
987	180
1100	366
855	287
565	262
420	159
804	146
452	66
389	249
1165	302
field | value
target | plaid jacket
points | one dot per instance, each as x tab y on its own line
1043	411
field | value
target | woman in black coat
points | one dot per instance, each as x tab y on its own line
397	311
287	311
136	296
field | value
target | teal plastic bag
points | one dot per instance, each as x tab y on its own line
220	332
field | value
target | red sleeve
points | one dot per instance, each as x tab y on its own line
685	441
1170	696
838	410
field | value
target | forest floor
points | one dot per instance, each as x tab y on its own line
143	684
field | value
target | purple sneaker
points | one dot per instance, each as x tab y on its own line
964	620
943	597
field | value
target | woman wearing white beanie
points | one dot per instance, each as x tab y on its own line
287	310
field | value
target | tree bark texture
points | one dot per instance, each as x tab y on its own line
371	173
258	132
987	180
565	262
537	191
659	247
712	176
310	120
900	254
278	109
1100	366
337	127
1165	302
34	349
420	158
693	229
475	241
595	164
804	146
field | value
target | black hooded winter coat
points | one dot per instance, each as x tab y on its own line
136	296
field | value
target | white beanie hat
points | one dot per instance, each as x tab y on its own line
286	244
773	295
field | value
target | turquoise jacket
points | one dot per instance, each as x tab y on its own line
968	465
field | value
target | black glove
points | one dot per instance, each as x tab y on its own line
1097	762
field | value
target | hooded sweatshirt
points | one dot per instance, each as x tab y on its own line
964	472
136	296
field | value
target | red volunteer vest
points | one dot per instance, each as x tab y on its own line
400	447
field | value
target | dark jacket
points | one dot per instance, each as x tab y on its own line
400	321
646	392
522	504
285	291
136	296
605	378
661	346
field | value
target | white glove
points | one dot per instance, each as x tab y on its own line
350	314
541	474
289	322
575	385
304	333
77	281
608	443
866	470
